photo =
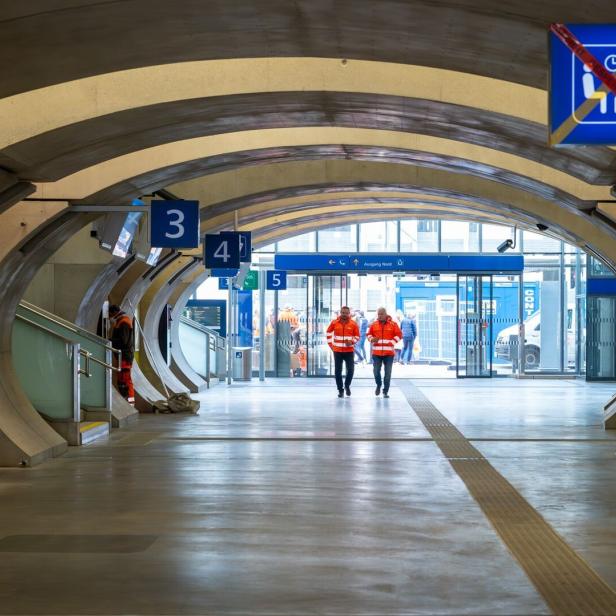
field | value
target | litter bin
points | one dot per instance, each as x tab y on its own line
242	363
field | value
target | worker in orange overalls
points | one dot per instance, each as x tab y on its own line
383	334
123	339
342	334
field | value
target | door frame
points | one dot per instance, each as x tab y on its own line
485	316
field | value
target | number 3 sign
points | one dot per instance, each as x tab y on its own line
174	224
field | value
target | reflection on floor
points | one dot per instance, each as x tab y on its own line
279	498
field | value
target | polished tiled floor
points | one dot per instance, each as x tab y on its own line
279	498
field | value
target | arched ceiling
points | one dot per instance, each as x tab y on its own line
273	114
61	40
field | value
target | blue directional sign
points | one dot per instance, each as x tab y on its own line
222	251
579	113
174	224
276	280
374	262
245	244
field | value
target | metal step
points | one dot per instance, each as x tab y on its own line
609	419
91	430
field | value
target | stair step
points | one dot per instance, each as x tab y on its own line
91	430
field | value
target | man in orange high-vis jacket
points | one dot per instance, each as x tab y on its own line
342	334
383	334
123	340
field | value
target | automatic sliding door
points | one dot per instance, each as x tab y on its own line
474	325
326	294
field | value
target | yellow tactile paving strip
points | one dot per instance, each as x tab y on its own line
567	583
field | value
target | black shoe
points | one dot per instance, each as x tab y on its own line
385	394
341	394
348	391
377	391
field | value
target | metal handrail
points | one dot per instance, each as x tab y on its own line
86	354
101	363
206	330
66	324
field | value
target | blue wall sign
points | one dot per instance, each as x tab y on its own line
245	244
222	251
276	280
421	263
572	85
601	286
174	224
244	317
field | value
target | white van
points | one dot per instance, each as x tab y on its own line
507	341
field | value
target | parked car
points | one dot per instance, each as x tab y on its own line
506	346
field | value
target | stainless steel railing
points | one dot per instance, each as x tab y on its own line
82	352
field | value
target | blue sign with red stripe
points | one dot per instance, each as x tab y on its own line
582	112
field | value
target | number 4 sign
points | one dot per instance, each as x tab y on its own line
174	224
222	251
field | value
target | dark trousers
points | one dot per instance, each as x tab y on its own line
382	360
407	351
348	359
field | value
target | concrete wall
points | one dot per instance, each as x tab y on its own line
61	283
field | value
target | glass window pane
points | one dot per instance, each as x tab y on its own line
494	235
338	239
542	328
378	237
597	269
535	242
459	236
300	243
268	248
419	236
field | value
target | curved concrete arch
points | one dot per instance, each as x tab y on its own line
318	174
26	438
48	45
155	299
179	363
405	207
57	153
90	307
145	392
93	183
80	100
251	217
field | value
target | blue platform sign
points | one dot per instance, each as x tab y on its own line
245	244
222	251
223	274
422	263
579	113
276	280
174	224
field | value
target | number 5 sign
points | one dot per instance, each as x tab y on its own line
276	280
174	224
222	251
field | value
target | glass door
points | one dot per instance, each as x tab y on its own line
326	294
474	324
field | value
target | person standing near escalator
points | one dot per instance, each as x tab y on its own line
384	334
342	335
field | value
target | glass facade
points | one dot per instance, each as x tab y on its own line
537	321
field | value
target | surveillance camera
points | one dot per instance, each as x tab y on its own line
506	245
542	227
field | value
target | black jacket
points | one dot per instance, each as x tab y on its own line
123	336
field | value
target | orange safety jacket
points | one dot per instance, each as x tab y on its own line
342	337
384	336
